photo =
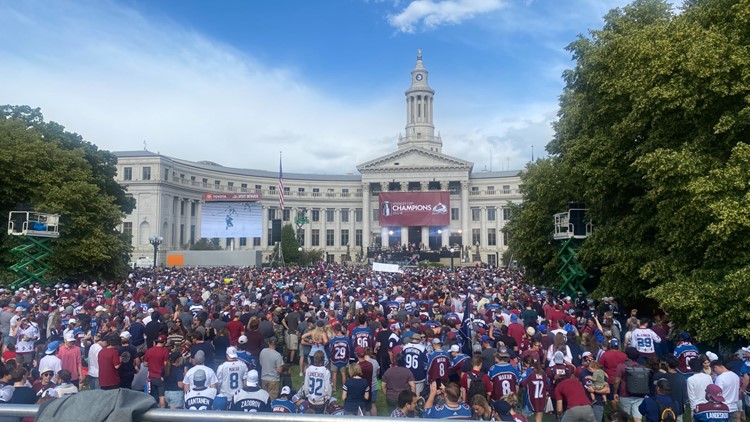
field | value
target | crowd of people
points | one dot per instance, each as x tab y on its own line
462	343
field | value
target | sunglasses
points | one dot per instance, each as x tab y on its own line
47	374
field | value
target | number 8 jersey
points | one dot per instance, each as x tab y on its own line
231	374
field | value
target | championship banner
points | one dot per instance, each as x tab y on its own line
414	209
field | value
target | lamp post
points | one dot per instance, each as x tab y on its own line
452	250
299	260
156	241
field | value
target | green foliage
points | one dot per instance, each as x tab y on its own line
310	257
650	135
204	244
57	172
289	245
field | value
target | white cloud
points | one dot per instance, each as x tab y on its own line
118	79
430	14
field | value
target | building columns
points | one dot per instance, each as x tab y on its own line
465	215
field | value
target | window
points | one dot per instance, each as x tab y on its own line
192	209
243	187
315	239
192	234
375	189
491	189
394	186
505	239
329	216
491	259
230	185
127	229
358	237
454	187
475	214
454	214
287	189
182	176
272	189
258	188
315	215
229	242
146	173
217	183
344	237
269	237
375	215
358	215
285	214
506	214
301	191
344	216
243	241
491	237
491	212
127	173
475	188
415	186
506	188
476	236
316	192
345	192
182	208
256	241
205	182
166	174
330	238
271	214
433	185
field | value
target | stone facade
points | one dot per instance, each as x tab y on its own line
342	210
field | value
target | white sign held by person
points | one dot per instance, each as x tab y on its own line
386	268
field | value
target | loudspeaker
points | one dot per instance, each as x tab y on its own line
275	231
577	217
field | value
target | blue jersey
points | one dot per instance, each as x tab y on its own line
392	306
362	337
684	352
504	378
283	406
415	360
94	324
442	411
340	351
459	361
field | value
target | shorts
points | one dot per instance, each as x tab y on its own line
629	405
175	398
221	403
374	394
292	342
335	369
157	387
24	358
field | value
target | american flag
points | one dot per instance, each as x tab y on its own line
281	185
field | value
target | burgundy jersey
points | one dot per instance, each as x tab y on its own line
537	391
438	364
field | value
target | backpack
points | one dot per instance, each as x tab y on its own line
476	386
637	379
666	413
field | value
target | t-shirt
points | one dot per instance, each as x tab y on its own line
71	360
270	360
156	357
24	395
93	360
208	351
730	387
355	394
572	393
175	376
211	378
108	374
397	379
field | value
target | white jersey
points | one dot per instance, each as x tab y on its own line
230	374
202	399
256	400
317	387
210	375
26	338
643	339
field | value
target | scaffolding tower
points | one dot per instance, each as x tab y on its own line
571	227
35	230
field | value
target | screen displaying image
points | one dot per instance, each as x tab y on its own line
231	219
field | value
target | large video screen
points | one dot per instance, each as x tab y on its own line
414	209
231	219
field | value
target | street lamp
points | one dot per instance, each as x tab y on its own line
156	241
299	260
452	250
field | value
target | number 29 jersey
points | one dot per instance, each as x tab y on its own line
340	351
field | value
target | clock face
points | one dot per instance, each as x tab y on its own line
419	77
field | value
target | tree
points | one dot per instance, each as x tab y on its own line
57	172
650	137
289	245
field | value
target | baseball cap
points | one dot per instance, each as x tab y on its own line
125	334
285	390
69	336
530	331
20	309
359	351
484	338
416	338
587	354
558	358
199	376
436	340
714	393
200	357
72	321
614	343
251	379
99	308
52	347
231	352
242	339
712	356
513	318
454	348
161	339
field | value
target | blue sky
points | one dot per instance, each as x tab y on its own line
235	82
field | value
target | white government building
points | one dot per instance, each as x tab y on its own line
342	210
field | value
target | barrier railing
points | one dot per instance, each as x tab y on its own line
167	415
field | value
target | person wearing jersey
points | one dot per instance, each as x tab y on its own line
644	340
198	361
453	408
559	371
198	396
536	386
472	376
684	352
316	388
251	398
438	363
713	409
651	407
283	404
503	375
339	354
362	335
459	361
415	360
230	375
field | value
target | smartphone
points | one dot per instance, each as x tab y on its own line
439	383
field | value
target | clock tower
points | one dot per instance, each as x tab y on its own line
420	130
